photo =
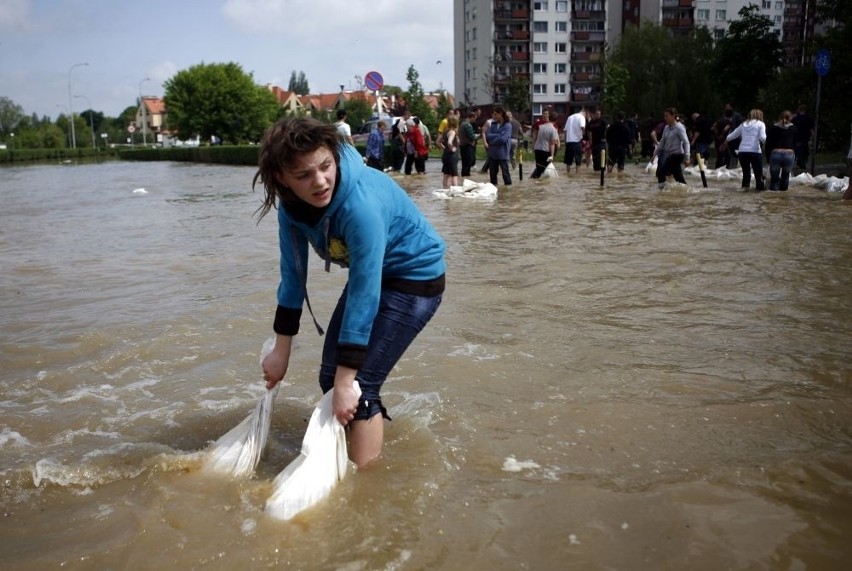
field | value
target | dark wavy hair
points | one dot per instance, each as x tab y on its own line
282	147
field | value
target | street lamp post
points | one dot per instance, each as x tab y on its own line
71	104
144	113
91	118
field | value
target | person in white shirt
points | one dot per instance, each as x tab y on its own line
575	130
545	146
343	127
751	133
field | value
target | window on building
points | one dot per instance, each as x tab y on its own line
473	34
718	33
474	53
561	47
540	27
767	4
721	15
561	26
779	6
539	6
560	89
561	6
560	68
539	68
540	47
540	88
590	5
779	20
702	15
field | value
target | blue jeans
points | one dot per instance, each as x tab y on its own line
780	164
503	165
400	318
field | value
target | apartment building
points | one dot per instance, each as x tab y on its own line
557	45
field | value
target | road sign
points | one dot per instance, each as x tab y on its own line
374	81
131	128
822	63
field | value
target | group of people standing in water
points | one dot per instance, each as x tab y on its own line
588	138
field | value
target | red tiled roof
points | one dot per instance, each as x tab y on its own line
155	105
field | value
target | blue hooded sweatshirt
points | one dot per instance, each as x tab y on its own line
371	227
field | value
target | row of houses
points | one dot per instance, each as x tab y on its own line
151	114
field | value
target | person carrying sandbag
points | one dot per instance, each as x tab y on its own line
361	219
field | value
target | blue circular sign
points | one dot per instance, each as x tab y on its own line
822	62
374	81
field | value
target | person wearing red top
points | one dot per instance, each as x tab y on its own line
416	150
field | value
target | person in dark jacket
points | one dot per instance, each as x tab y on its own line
467	143
781	151
597	134
618	139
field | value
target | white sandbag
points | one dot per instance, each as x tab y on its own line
550	171
802	178
238	452
322	463
468	189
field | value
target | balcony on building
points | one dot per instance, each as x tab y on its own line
581	78
588	15
511	35
595	37
503	14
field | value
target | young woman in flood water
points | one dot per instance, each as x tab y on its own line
359	218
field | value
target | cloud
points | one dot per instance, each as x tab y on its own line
333	42
14	14
162	71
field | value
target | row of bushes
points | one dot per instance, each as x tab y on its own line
36	155
225	155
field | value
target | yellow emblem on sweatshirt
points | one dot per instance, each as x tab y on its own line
338	252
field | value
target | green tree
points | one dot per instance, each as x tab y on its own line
614	94
444	105
517	99
10	115
662	71
358	112
416	100
218	100
747	58
298	83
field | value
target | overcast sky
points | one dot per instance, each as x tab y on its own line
126	41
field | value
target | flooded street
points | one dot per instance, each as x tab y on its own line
619	377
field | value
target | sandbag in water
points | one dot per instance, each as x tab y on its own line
238	452
321	464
